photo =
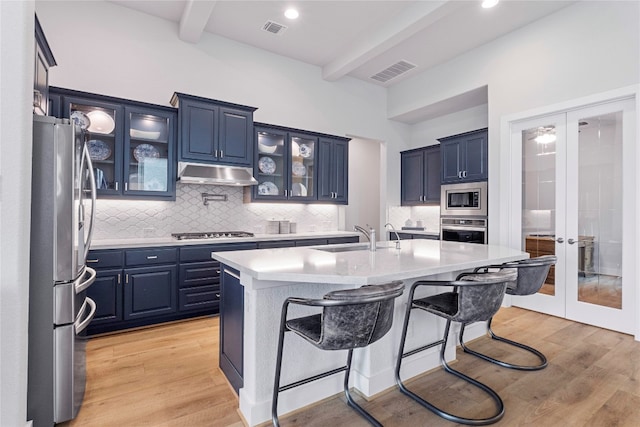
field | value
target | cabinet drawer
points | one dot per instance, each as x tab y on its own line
203	252
340	240
104	259
276	244
199	273
151	256
199	298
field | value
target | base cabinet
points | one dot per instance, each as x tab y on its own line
146	286
149	291
232	327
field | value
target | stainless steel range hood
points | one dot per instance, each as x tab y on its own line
202	173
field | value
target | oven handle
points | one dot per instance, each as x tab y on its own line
462	228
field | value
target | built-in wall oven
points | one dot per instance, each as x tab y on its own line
463	212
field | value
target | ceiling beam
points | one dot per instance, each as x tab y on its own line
194	19
405	24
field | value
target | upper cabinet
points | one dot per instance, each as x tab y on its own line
420	176
213	131
131	144
333	158
299	166
464	157
43	61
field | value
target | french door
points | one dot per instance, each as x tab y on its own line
577	171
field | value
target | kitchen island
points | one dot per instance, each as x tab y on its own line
256	283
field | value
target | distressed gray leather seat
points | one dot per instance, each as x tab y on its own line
474	297
532	274
349	319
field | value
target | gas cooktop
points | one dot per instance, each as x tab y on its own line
211	235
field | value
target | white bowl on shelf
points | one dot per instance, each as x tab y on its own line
144	134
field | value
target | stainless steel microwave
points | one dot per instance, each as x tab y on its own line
465	199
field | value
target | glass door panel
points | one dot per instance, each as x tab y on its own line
272	171
147	153
600	217
303	167
600	210
100	125
542	175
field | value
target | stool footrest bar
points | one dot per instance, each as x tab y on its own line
311	379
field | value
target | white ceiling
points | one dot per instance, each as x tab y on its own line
356	38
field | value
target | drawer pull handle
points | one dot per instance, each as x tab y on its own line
152	257
93	261
218	296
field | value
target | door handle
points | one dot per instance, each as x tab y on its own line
571	241
560	240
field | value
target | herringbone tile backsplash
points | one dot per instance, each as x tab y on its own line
139	218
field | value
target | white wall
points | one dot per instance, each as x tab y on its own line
364	186
16	81
586	48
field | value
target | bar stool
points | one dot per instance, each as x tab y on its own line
532	274
350	319
475	297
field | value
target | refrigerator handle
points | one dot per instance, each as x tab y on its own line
81	286
80	325
92	180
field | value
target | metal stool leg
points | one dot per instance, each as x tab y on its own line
350	400
446	415
542	357
276	382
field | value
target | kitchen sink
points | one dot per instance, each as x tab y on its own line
359	247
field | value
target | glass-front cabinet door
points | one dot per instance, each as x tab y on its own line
303	174
286	165
271	170
148	151
102	122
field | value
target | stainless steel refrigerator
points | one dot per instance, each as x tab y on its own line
62	216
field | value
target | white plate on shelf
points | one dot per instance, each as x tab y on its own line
80	119
144	151
306	151
299	190
267	165
268	148
98	150
268	188
298	169
295	149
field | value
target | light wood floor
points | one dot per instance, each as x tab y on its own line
168	376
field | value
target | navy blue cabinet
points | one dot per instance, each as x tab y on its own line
149	291
43	61
299	166
420	176
465	157
214	131
131	144
106	291
333	172
231	359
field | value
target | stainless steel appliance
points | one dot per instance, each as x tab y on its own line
463	212
211	235
59	309
469	230
466	199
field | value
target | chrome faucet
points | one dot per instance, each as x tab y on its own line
397	236
370	235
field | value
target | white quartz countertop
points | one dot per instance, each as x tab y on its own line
416	258
170	241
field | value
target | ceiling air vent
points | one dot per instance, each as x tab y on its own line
393	71
274	27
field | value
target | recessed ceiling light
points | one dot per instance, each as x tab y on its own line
291	13
489	3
